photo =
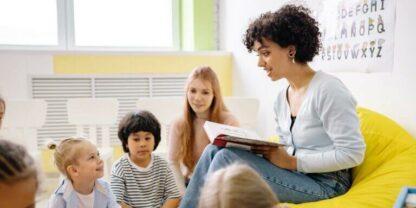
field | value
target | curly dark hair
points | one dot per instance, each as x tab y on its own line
138	121
290	25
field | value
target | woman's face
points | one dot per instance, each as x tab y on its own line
200	96
273	59
19	194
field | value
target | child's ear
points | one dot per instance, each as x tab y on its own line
72	170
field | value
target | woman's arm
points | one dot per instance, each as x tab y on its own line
278	156
230	119
179	178
336	108
173	160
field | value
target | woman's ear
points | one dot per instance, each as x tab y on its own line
292	51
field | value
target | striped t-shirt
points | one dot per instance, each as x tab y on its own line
143	187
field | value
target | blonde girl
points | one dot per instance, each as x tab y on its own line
187	139
79	161
18	176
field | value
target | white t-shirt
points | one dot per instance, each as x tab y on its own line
86	201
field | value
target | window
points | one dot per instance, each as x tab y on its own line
89	25
25	22
126	23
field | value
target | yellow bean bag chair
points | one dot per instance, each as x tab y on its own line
389	164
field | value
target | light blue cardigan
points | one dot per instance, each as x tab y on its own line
65	196
326	134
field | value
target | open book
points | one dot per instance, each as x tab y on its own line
230	136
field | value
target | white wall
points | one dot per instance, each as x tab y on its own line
389	93
15	69
392	94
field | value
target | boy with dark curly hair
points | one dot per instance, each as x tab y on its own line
315	116
140	178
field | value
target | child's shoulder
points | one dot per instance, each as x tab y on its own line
57	199
104	188
177	121
102	182
63	184
122	159
120	163
102	185
159	161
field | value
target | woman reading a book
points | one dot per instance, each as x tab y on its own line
187	139
315	115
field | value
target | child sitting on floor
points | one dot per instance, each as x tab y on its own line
79	161
140	178
237	186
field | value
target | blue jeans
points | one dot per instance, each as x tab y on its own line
289	186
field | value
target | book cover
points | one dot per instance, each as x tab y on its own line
229	136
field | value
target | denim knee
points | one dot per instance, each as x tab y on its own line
209	152
223	158
211	148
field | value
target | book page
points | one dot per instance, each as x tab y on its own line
216	131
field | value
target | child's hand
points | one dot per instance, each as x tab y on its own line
124	205
172	203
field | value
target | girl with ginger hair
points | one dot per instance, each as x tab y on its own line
187	139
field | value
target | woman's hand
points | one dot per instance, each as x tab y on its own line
276	155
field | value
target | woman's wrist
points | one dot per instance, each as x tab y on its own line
292	163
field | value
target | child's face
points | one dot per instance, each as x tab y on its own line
89	164
141	145
19	194
200	96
